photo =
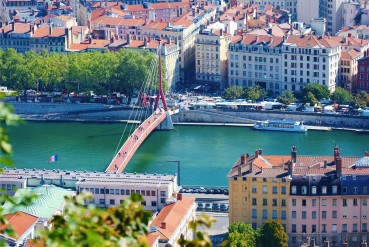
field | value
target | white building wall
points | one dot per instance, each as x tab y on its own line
307	10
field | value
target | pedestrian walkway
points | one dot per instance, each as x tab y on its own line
125	153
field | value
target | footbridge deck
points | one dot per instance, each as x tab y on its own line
126	152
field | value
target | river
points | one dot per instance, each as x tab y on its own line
206	153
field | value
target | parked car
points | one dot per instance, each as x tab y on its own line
208	206
209	191
181	190
202	190
223	207
215	207
195	190
217	191
200	206
226	192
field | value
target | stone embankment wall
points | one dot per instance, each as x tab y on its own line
309	118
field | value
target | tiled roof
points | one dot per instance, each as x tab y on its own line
255	39
35	243
172	215
351	54
152	238
312	41
43	32
347	41
20	223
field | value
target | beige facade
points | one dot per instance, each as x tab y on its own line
212	57
348	69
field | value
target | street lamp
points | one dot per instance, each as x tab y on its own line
178	167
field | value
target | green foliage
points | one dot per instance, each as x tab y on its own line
287	97
201	239
341	95
126	225
273	234
234	92
241	235
255	92
122	71
362	99
319	91
310	98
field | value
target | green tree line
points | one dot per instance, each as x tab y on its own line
123	71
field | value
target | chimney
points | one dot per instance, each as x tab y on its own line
179	197
50	30
148	39
366	154
239	171
257	153
247	155
128	39
326	243
339	166
364	243
260	151
325	164
336	152
349	35
226	29
250	167
243	159
293	154
163	225
13	26
221	32
290	167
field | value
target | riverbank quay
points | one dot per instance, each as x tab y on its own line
114	114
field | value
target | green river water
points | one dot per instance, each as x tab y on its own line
206	153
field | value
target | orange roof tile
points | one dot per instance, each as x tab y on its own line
152	238
42	32
20	223
351	54
172	215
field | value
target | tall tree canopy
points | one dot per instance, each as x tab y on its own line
341	95
234	92
319	91
273	234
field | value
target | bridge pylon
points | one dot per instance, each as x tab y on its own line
167	123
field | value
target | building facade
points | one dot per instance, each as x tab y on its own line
332	11
362	83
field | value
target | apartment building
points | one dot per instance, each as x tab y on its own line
258	189
332	11
310	59
173	221
360	32
108	190
256	60
348	69
362	83
326	197
290	5
307	10
212	57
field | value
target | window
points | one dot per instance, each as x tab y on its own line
303	214
283	214
324	190
265	189
254	214
334	189
265	214
294	228
303	230
96	191
313	214
254	189
344	202
344	227
365	189
275	214
153	203
324	228
344	189
293	190
274	202
275	190
364	200
265	202
112	202
162	200
147	192
364	227
254	201
128	192
143	203
334	228
355	190
304	190
334	202
324	214
293	214
314	202
313	190
293	202
354	227
313	228
334	214
324	202
354	202
283	202
283	188
304	202
153	193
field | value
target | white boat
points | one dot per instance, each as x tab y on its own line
280	125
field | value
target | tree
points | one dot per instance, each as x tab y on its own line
341	95
310	99
273	234
255	93
241	235
200	238
287	97
319	91
234	92
362	99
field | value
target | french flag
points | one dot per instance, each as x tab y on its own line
53	158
